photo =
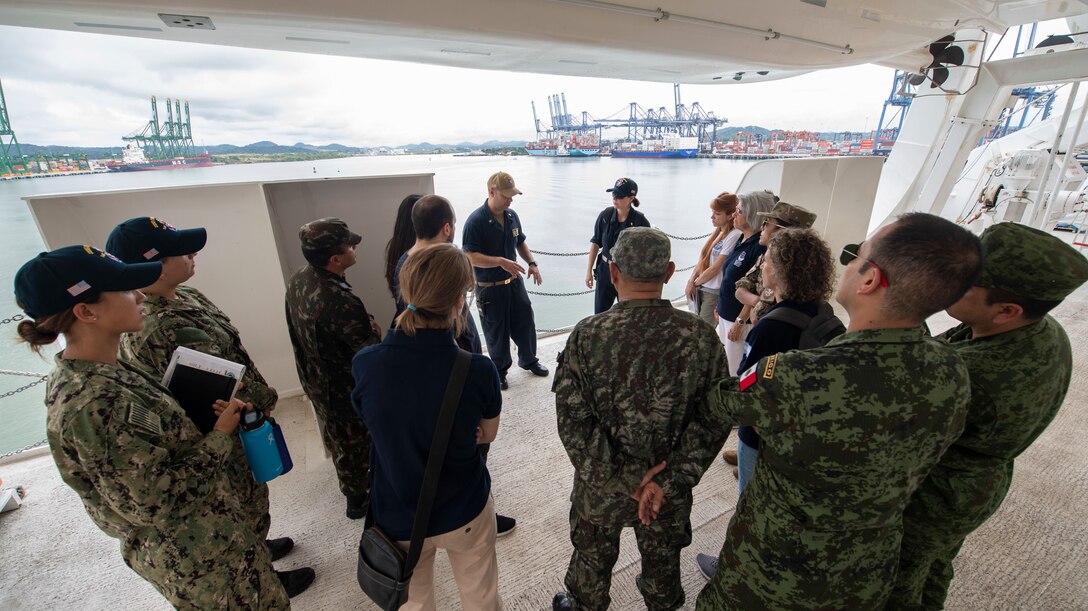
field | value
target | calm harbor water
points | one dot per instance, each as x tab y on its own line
562	197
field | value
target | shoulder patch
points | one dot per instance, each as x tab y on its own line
143	418
768	372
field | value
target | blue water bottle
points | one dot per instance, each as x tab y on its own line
259	442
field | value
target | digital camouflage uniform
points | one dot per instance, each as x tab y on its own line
630	392
148	477
1018	381
193	321
848	432
328	324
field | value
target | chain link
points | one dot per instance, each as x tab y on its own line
559	254
15	318
22	388
559	330
684	269
676	237
24	449
543	294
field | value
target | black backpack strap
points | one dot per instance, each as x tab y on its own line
450	403
790	317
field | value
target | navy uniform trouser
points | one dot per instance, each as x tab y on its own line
506	314
604	294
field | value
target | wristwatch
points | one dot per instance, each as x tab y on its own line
532	264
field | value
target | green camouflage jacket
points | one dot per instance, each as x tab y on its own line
144	472
328	324
1018	382
848	431
193	321
630	392
753	283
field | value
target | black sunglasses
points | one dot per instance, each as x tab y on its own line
850	252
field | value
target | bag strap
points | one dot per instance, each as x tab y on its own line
450	402
790	317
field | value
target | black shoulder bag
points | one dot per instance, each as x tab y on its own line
385	570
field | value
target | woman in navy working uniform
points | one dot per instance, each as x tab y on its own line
145	473
610	222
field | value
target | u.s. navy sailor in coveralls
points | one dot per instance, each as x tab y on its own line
179	315
848	431
144	472
328	324
1020	363
630	393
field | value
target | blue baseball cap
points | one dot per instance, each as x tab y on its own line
54	281
147	238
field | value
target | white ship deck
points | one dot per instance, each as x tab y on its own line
1032	554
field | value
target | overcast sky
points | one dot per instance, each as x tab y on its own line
84	89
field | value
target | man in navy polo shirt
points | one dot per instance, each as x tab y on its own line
492	238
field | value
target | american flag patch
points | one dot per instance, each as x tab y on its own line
748	377
79	288
151	254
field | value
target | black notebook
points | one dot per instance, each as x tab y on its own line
197	380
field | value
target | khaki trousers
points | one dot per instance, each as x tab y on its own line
471	550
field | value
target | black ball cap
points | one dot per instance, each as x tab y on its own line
624	187
147	238
53	282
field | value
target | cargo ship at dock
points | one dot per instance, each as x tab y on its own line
565	145
669	146
134	160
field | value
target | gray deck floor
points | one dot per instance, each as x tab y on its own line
1033	554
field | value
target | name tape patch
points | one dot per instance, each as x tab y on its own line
768	373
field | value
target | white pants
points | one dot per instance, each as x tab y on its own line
471	550
734	351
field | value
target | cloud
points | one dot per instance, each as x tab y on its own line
89	90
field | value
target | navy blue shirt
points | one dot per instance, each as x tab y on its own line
744	256
769	337
399	386
608	227
483	234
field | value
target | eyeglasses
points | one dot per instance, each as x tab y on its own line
850	252
774	223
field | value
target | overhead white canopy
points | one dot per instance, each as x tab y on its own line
677	41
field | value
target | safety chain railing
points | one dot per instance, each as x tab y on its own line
676	237
24	449
28	374
582	254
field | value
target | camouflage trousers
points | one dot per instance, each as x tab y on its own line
347	439
596	548
231	579
925	572
253	494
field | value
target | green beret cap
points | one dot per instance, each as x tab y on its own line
1030	263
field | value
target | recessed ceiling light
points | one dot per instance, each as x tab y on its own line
331	41
465	52
113	26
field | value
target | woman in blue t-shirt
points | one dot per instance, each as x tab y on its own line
398	394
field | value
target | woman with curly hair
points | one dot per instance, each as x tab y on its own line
799	269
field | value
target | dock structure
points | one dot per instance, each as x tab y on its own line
638	122
168	140
11	157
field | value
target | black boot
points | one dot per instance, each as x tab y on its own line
295	582
357	506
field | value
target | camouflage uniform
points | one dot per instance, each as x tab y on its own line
193	321
1018	381
848	432
630	392
147	477
328	324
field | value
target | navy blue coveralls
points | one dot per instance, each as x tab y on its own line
605	233
505	310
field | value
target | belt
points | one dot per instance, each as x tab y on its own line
499	283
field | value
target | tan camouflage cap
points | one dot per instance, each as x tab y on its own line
791	214
1030	263
642	253
327	233
503	183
